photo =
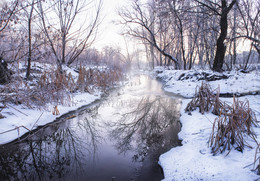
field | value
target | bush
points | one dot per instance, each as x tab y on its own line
57	88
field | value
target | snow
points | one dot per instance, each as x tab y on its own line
191	161
237	83
19	119
16	116
194	160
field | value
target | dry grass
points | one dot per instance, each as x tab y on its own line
257	160
1	108
231	127
92	78
57	88
205	99
233	124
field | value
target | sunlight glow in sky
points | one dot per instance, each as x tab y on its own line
109	33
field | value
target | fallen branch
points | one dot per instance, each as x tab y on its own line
37	120
16	109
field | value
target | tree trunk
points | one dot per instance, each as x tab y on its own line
63	46
248	57
5	73
221	48
234	35
29	59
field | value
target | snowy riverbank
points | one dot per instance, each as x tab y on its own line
235	82
194	160
18	118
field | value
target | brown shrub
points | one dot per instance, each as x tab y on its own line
56	88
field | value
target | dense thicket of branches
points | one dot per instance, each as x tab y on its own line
173	32
55	30
185	32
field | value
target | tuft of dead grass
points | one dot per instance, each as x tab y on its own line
257	160
233	124
1	108
93	78
205	99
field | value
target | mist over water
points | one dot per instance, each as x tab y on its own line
118	138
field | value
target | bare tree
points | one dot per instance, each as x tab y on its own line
69	41
222	11
7	12
250	24
234	35
7	16
140	24
29	58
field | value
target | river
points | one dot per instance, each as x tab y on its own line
117	138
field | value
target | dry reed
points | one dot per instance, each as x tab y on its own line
233	124
57	88
231	127
205	99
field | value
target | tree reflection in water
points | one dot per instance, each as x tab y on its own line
150	128
87	147
55	151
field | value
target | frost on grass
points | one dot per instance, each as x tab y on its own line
233	124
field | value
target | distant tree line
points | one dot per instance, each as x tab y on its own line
110	56
173	32
189	32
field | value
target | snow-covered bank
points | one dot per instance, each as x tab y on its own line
18	116
194	160
68	92
236	83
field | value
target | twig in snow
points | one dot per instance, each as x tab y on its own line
37	120
17	110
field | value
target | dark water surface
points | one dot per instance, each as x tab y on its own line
118	138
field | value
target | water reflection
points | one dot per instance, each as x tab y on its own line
120	138
145	128
58	151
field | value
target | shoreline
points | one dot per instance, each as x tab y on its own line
194	160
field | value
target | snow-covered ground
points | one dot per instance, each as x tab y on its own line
237	82
18	119
194	160
19	116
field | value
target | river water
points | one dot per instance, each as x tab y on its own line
118	138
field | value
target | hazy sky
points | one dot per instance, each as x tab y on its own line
108	31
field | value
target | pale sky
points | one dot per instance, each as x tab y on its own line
109	33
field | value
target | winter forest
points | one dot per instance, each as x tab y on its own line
164	89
